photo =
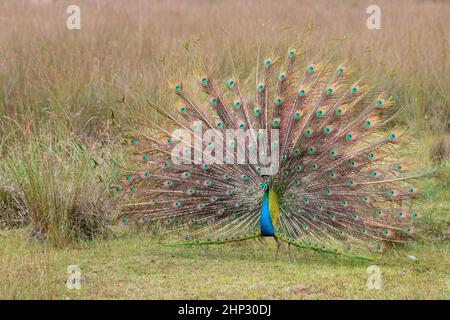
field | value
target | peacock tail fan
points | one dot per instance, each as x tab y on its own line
332	178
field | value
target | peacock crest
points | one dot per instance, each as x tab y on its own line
327	179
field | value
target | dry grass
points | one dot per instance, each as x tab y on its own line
62	188
49	72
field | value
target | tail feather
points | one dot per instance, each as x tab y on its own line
341	186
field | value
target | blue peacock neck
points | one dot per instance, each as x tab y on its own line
269	213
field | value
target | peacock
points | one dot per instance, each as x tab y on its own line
317	168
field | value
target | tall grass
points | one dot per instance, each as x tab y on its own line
63	187
130	49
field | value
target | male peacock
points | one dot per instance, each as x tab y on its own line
335	191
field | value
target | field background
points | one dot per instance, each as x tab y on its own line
67	95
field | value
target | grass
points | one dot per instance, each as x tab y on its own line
49	73
134	265
68	97
138	267
64	193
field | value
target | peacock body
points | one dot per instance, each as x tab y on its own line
334	183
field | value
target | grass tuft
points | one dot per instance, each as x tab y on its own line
62	187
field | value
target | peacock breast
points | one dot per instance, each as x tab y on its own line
269	213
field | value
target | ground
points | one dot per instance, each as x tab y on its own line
139	267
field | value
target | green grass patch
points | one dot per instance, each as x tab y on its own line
138	267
